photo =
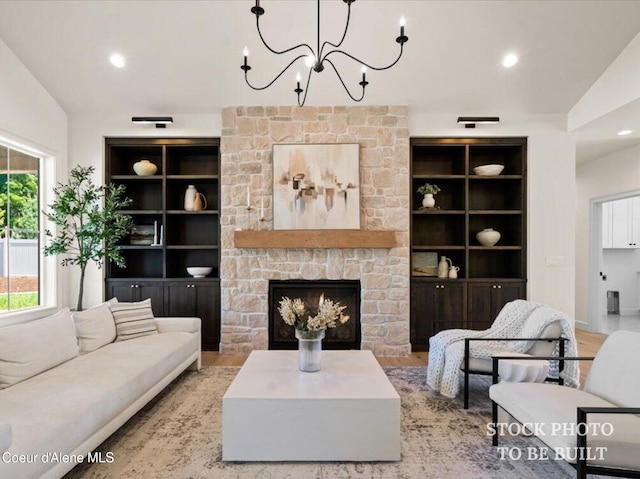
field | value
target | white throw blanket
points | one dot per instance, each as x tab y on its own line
520	318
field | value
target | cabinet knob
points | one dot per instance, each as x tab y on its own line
137	285
493	286
499	286
132	285
442	286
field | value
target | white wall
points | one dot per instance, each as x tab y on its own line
86	147
610	175
551	195
29	115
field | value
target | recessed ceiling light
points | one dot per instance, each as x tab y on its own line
117	60
509	60
624	132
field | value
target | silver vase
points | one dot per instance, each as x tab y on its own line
309	350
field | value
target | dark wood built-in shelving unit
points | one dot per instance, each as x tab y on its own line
191	238
489	277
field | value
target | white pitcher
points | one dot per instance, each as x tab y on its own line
453	272
190	198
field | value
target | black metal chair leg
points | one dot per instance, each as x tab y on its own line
466	374
494	415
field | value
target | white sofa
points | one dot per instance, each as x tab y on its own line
607	409
71	408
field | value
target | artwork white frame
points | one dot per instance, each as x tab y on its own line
316	186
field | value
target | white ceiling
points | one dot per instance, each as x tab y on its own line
184	57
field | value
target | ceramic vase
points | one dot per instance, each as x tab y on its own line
145	168
309	350
428	201
443	267
488	237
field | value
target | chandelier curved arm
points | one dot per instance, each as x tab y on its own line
306	90
363	63
276	51
344	35
345	86
276	78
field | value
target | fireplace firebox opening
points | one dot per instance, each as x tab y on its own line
345	292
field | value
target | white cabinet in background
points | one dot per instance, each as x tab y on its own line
621	223
607	229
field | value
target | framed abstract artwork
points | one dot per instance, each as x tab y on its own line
316	186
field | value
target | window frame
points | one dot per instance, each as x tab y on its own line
48	270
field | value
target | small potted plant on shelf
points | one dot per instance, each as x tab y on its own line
88	223
429	190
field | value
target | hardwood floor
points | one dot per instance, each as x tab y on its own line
588	345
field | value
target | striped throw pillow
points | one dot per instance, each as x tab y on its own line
133	320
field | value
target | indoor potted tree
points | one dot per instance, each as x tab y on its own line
428	190
88	224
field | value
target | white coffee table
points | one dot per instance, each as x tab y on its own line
348	411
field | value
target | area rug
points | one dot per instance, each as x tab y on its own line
178	436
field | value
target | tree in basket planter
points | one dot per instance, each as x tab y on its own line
88	223
428	190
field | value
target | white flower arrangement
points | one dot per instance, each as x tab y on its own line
295	313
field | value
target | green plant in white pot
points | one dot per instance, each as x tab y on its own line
429	191
88	223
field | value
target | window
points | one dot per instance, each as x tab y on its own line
20	224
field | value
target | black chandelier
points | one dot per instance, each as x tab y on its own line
316	59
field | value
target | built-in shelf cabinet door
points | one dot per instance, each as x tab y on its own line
436	306
486	299
197	298
132	291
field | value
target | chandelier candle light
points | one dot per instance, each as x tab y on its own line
310	329
316	59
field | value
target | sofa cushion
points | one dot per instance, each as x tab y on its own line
30	348
133	320
95	327
5	437
551	405
614	372
543	348
85	394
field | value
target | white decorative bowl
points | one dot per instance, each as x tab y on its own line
488	237
145	168
488	170
199	271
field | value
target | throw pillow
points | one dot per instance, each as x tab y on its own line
30	348
133	320
95	327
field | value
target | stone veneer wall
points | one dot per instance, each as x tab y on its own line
248	134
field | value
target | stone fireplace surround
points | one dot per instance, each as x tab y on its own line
248	134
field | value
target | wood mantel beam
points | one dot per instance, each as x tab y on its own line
315	239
